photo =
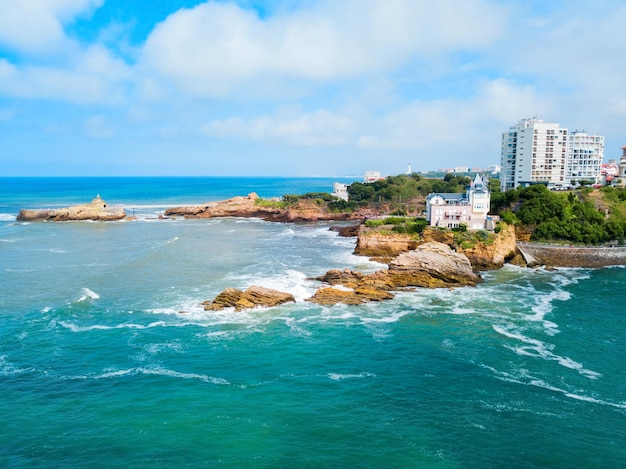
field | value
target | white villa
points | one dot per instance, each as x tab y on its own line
470	208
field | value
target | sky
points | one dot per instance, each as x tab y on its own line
298	87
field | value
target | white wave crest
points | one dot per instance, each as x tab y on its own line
7	217
99	327
341	376
529	380
156	371
538	349
88	295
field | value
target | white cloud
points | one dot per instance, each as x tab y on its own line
36	26
94	76
98	127
288	127
212	48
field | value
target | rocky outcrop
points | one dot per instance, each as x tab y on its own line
96	210
251	298
493	254
251	207
382	243
329	296
346	231
488	254
431	265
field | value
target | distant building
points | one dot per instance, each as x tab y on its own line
608	172
495	169
340	190
471	208
533	151
372	176
538	152
585	154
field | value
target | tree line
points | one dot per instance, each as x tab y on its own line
584	216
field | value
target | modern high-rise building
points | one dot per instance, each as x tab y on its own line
533	151
538	152
585	155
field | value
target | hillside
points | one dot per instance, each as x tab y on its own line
585	216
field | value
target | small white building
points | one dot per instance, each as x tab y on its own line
340	190
471	208
372	176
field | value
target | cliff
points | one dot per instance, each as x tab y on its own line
96	210
484	253
251	206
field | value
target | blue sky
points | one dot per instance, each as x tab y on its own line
298	88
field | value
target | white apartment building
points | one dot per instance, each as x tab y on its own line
585	155
533	151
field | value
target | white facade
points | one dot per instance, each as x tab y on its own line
471	208
585	155
533	151
372	176
340	190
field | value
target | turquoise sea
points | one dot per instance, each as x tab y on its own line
99	367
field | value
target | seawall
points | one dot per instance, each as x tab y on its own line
572	256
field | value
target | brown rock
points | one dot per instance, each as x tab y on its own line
251	298
346	231
374	242
96	210
346	277
432	265
489	256
331	296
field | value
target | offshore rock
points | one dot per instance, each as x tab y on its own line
96	210
432	265
251	298
249	207
346	277
346	231
329	296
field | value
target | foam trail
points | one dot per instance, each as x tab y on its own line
538	349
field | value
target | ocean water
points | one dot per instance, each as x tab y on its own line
108	359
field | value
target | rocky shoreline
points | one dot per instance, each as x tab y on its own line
433	259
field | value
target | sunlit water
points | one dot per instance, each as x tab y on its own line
107	357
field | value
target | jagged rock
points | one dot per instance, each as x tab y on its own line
374	243
251	298
346	277
329	296
346	231
96	210
432	265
